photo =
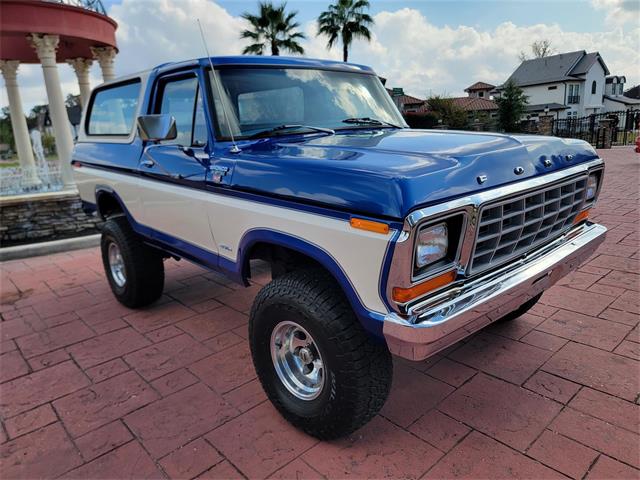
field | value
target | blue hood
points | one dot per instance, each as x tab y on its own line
388	173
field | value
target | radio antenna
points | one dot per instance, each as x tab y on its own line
216	80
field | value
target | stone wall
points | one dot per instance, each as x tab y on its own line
43	217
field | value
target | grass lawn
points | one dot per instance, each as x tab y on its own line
13	162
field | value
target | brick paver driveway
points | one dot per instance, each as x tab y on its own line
90	389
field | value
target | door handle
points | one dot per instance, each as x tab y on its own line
147	163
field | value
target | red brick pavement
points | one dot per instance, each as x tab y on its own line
90	389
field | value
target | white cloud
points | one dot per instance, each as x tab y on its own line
406	48
151	33
424	58
619	12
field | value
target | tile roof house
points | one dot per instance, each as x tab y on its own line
570	84
480	90
407	103
471	104
477	102
478	99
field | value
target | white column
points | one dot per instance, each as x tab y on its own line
81	66
9	70
106	58
45	47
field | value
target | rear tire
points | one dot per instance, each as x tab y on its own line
348	373
521	310
135	271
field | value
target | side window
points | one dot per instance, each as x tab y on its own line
113	110
182	99
594	86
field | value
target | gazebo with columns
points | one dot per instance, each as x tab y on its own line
49	32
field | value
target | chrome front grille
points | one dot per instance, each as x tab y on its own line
511	227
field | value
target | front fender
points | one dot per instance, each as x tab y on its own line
371	321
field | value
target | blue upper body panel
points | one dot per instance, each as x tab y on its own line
388	173
379	172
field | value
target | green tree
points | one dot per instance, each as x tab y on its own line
512	104
36	115
446	110
273	28
345	19
72	100
6	132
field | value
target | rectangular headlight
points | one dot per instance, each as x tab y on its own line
437	245
432	244
592	186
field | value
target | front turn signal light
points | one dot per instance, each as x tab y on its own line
403	295
583	215
369	225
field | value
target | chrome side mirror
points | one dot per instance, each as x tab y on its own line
156	128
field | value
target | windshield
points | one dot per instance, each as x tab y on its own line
260	99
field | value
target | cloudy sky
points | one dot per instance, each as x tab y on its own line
426	46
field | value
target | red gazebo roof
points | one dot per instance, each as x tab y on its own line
78	28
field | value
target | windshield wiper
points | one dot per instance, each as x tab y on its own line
369	121
282	128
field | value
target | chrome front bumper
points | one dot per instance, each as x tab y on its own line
436	323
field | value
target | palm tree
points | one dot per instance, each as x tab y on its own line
273	27
346	19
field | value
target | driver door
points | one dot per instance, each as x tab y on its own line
173	194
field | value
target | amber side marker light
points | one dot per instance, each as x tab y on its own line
583	215
369	225
403	295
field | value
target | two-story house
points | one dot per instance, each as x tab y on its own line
480	90
567	85
478	102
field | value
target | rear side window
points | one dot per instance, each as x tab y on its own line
113	110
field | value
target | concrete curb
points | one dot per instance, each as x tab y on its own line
47	248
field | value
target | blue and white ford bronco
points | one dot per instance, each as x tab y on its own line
381	239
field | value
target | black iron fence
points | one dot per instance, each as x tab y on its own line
623	126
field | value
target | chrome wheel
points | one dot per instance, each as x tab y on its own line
116	265
297	360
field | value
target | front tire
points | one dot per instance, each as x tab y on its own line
135	271
316	363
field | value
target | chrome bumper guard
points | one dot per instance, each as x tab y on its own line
436	323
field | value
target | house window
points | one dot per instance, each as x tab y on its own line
620	88
594	87
574	94
554	87
481	94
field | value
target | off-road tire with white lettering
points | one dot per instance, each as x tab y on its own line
358	368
